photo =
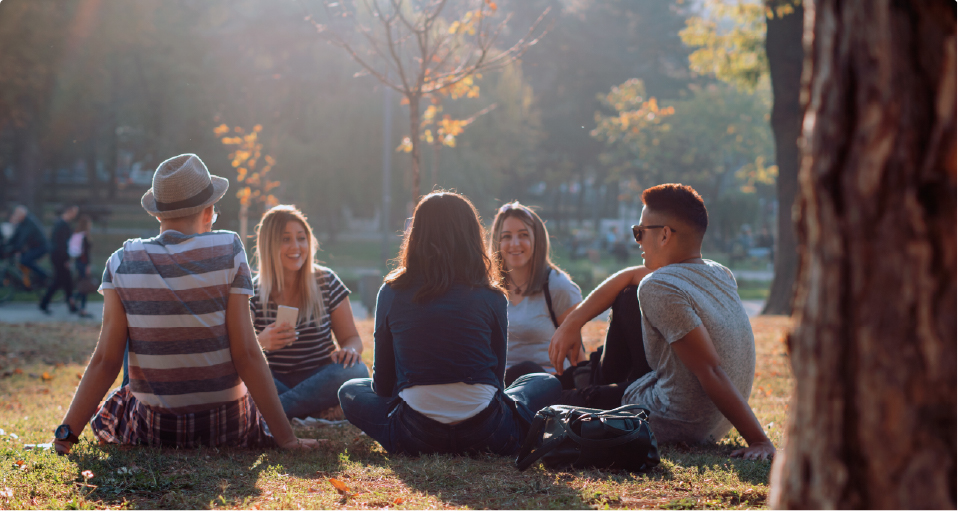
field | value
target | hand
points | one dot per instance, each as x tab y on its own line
346	356
566	344
763	450
302	444
276	336
62	447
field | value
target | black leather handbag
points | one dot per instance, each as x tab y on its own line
572	436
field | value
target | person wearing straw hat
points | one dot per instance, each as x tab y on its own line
180	302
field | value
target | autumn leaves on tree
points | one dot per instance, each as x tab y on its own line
255	183
420	53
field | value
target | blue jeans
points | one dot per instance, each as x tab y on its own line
29	259
81	272
499	429
305	393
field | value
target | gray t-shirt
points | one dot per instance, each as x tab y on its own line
675	299
530	326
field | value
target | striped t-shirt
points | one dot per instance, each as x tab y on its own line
314	342
174	289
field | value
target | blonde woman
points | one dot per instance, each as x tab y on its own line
307	366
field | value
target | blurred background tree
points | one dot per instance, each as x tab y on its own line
93	98
256	187
741	42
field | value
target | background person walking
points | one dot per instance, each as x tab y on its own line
60	259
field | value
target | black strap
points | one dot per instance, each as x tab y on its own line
548	295
525	457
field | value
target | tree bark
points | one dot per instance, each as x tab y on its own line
415	120
783	46
872	422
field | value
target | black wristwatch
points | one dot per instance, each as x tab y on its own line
63	432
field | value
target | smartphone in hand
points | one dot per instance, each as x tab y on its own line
286	314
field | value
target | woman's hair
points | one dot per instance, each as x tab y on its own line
269	268
541	249
83	223
443	247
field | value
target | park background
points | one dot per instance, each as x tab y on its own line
96	94
614	96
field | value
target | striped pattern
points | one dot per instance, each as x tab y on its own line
315	343
175	289
122	419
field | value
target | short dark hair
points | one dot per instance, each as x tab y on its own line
680	201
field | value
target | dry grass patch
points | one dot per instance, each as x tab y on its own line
39	365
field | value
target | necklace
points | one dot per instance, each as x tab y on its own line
517	286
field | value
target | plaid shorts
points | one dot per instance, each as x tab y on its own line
122	419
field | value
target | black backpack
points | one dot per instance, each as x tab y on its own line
577	437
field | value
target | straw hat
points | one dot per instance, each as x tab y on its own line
182	186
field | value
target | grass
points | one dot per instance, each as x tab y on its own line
40	366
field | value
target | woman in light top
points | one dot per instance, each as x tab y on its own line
541	295
307	366
440	337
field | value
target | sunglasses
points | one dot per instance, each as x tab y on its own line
637	230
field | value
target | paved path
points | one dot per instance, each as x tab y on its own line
30	313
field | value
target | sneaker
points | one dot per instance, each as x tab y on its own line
45	310
84	314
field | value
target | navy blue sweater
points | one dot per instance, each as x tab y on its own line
459	337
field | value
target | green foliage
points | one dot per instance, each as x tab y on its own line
729	42
716	139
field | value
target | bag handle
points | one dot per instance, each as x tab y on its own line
604	443
523	458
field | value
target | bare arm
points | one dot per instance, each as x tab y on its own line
568	337
697	352
104	366
253	370
347	336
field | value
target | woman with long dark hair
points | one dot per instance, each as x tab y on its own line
440	346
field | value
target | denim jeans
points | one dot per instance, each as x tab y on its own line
499	429
305	393
81	273
29	259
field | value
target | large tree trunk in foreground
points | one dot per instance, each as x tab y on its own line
872	423
783	46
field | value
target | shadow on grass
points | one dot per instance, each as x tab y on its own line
164	478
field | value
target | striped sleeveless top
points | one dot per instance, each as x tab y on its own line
174	289
314	342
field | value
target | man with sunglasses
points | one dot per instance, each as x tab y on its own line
695	334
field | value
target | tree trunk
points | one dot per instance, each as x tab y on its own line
783	46
415	120
29	168
872	422
436	148
243	222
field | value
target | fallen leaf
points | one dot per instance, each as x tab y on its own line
340	486
79	376
399	500
18	371
313	490
19	462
